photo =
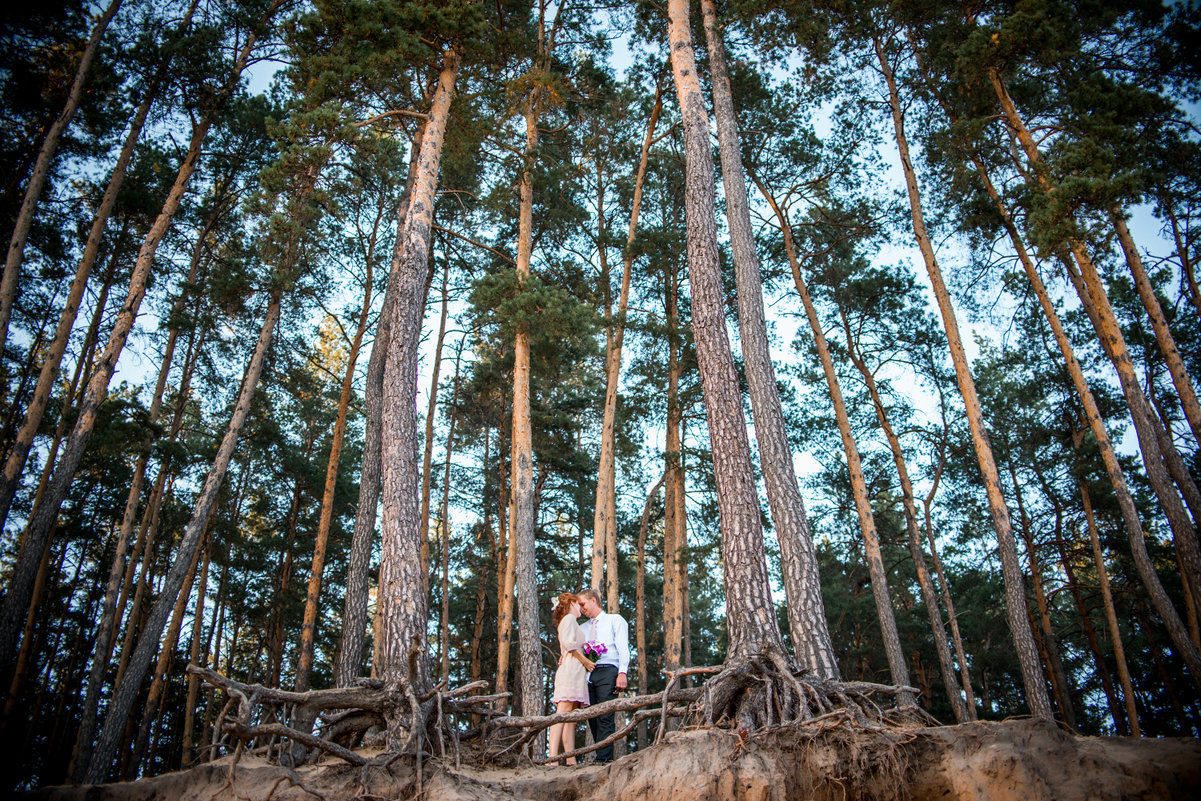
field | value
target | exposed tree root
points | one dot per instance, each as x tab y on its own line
751	695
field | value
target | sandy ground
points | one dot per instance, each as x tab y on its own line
1020	760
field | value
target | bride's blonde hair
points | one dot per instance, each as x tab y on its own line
562	607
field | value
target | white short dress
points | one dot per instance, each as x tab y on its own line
571	679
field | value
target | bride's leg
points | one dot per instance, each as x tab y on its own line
555	734
569	733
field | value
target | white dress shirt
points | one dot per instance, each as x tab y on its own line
613	632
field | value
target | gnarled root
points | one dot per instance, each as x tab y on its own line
762	691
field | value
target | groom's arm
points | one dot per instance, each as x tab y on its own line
621	637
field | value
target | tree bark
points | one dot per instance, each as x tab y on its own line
1015	596
750	611
41	169
403	593
348	663
427	459
444	623
126	692
640	601
675	533
802	585
521	519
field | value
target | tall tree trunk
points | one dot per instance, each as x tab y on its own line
37	181
604	525
750	612
802	585
1163	334
304	660
39	528
427	459
108	618
674	511
521	519
403	594
1111	617
1015	596
444	521
348	663
505	567
640	602
126	692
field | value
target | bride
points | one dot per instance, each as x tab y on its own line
571	679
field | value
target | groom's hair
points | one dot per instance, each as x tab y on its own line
593	594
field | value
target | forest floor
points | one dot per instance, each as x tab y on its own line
1016	760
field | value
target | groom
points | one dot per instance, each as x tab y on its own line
609	674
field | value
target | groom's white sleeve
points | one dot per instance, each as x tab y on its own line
621	635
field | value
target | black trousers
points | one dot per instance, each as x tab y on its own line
600	689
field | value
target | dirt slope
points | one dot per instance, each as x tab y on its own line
1010	761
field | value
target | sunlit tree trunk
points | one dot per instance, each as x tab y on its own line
1015	601
806	611
750	611
604	525
674	514
41	169
348	663
1159	324
521	518
403	594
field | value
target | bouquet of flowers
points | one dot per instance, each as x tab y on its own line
594	650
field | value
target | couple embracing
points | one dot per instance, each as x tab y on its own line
593	662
